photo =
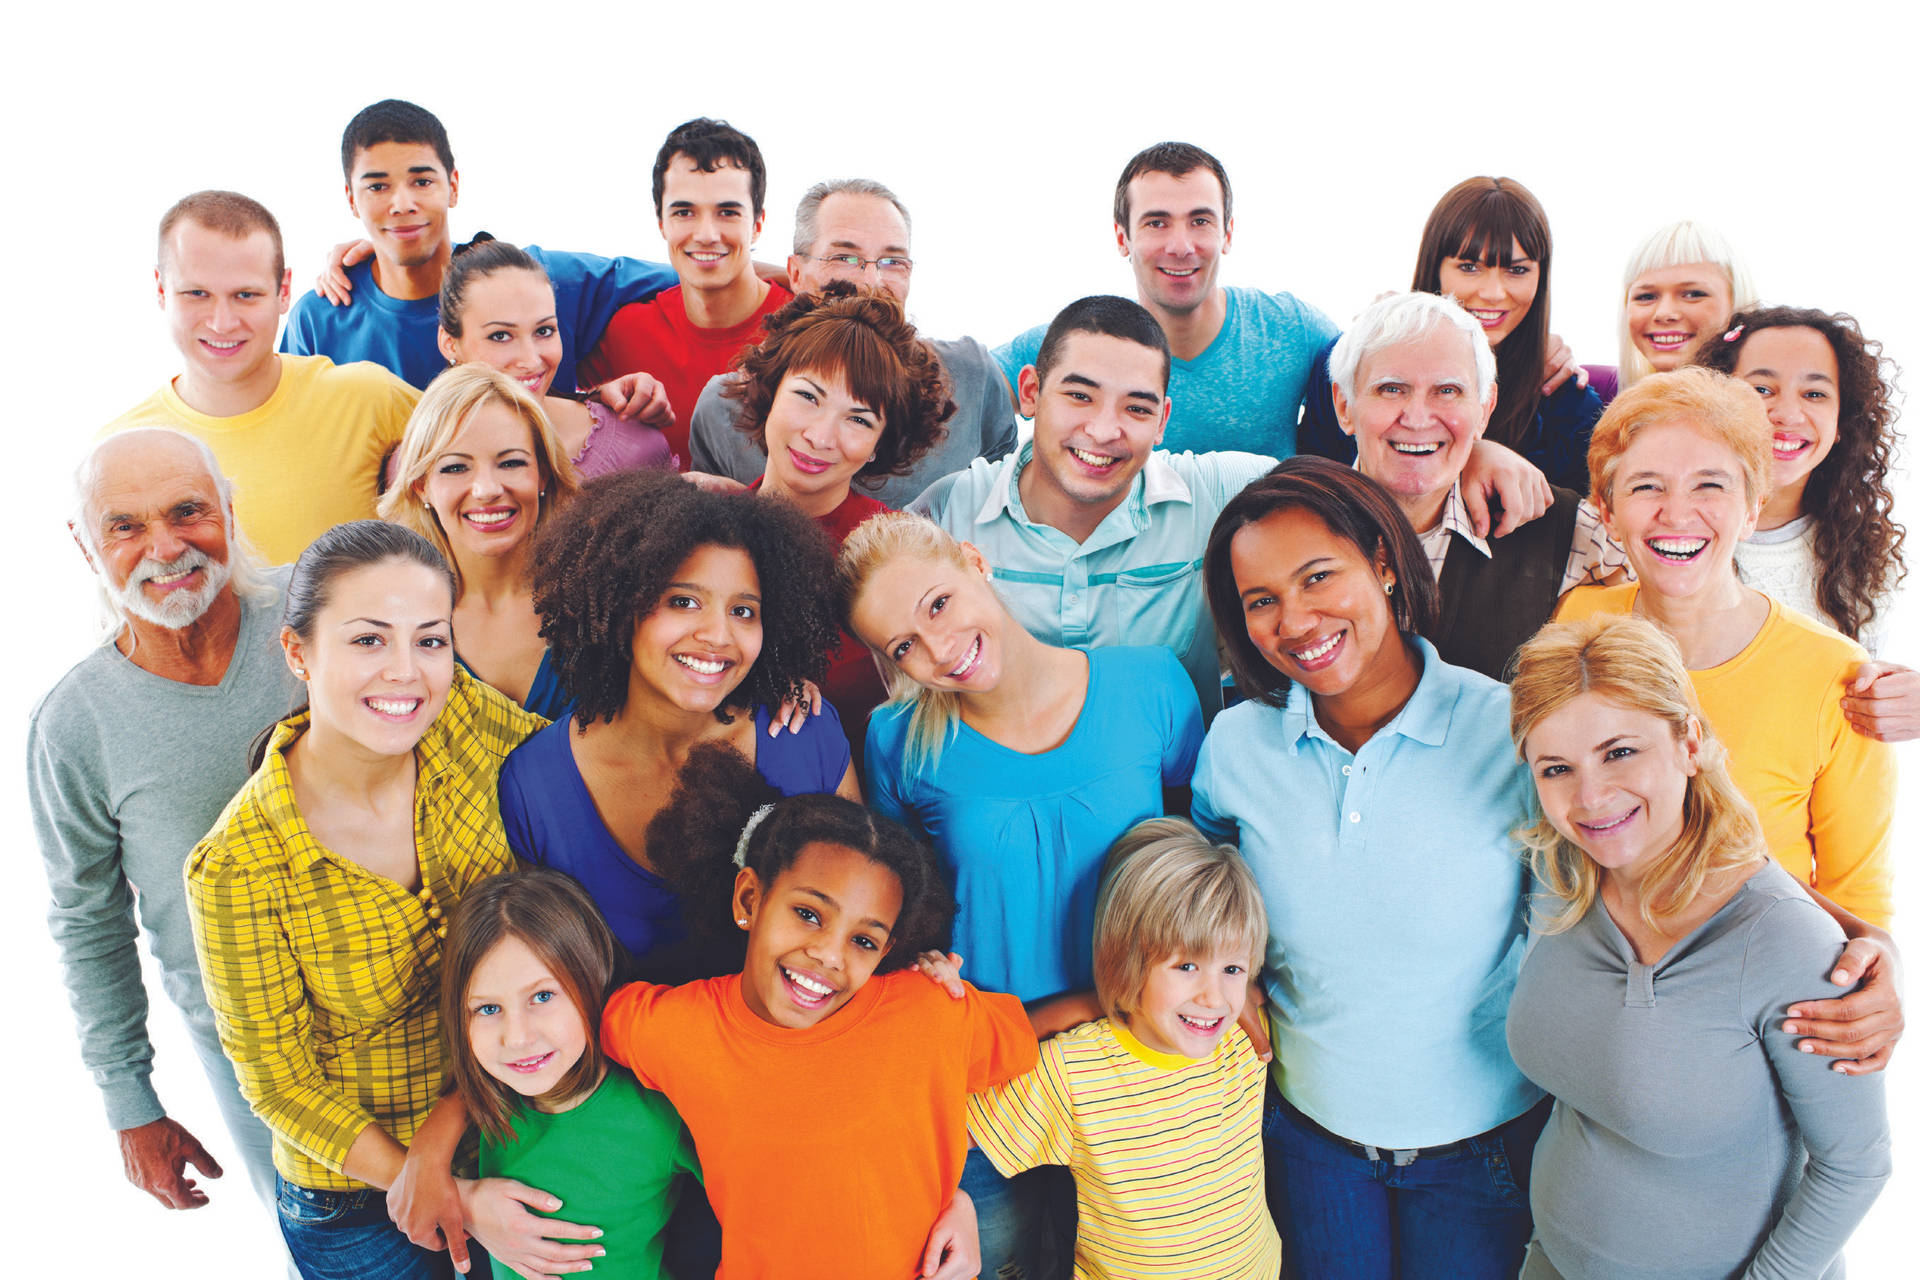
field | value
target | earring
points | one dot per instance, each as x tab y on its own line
1389	590
742	922
426	504
300	672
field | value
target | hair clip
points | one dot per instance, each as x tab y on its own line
1733	334
746	834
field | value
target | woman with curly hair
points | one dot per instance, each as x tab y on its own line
676	617
1826	544
841	391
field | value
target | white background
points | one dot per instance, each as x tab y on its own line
1792	128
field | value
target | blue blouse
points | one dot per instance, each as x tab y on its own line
551	820
1024	836
545	696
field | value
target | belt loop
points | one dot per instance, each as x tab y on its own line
1401	1159
1373	1154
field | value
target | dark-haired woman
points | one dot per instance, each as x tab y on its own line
676	617
841	393
497	308
1373	790
319	899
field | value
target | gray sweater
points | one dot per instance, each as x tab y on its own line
1690	1138
126	770
982	426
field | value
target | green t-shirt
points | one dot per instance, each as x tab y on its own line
612	1161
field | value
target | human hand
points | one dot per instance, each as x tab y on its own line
1493	469
637	396
953	1246
332	283
499	1215
425	1203
792	713
1883	701
1862	1027
1560	366
156	1155
943	970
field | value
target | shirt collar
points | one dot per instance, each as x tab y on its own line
1424	719
1453	518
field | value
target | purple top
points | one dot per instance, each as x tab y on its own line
621	444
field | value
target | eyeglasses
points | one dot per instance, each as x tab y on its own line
889	266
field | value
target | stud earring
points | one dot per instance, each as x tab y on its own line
742	922
300	672
1389	590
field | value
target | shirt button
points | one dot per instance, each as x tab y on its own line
433	913
1353	817
1346	769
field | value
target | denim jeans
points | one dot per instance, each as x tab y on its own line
346	1235
1026	1221
1343	1216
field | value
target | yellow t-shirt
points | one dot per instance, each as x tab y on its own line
1824	791
307	459
1165	1152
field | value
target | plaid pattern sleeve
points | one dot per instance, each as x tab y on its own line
323	977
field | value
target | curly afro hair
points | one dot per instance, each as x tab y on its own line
1856	543
604	562
862	337
692	841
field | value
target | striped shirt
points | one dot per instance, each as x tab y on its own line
324	978
1165	1152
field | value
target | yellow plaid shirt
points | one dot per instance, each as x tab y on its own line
323	977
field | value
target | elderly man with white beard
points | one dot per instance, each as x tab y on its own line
130	759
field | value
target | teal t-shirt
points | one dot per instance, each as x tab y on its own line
612	1160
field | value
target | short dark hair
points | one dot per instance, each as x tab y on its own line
394	120
1108	314
602	564
476	260
229	213
863	337
1356	509
709	143
1176	159
693	840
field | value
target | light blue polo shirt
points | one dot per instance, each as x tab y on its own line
1243	391
1135	580
1395	897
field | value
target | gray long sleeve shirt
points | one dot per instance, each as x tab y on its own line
1690	1138
126	770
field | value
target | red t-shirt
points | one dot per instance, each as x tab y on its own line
656	337
827	1151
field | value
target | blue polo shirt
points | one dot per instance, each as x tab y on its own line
1395	897
404	334
1135	580
1244	390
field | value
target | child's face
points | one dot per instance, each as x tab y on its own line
525	1030
1191	1002
816	934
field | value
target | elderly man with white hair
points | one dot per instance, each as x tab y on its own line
1413	384
130	759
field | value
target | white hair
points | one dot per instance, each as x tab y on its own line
246	571
806	218
1676	245
1408	317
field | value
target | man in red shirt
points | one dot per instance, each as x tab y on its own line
709	192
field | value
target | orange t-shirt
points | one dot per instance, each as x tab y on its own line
828	1151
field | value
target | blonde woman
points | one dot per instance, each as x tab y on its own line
477	472
1690	1136
1680	286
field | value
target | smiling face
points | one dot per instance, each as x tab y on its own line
1679	504
938	621
701	640
1795	372
1498	297
1613	780
1415	415
1315	605
1095	421
816	934
510	323
1190	1003
708	222
867	227
380	659
157	530
819	435
524	1029
1671	310
1179	232
223	302
401	195
484	489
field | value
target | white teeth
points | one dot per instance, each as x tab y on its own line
1668	340
489	517
394	706
1201	1024
705	666
1091	459
972	654
162	579
1415	450
1318	651
1610	823
1485	316
805	983
1687	547
1178	275
223	346
706	256
1785	444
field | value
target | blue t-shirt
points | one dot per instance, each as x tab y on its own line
550	819
1022	836
545	696
404	335
1243	392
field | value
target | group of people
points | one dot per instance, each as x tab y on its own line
671	725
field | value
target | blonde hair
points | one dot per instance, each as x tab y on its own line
1721	408
1676	245
1167	891
1631	663
450	401
889	536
